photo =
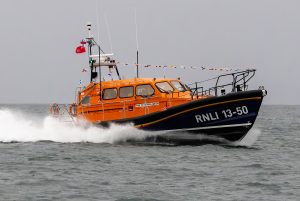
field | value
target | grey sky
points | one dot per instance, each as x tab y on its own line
38	38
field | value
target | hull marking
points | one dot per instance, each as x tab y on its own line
191	109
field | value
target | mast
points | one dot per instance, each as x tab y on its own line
100	82
137	46
98	60
137	64
91	42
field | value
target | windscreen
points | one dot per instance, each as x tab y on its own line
164	87
178	86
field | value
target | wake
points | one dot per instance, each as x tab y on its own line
17	127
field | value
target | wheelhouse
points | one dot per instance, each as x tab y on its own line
133	89
128	98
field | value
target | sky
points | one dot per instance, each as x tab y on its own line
38	38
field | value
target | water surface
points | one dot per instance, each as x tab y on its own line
41	159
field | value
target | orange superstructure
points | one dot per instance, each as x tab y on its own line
123	99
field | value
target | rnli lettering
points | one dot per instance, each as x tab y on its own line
223	114
211	116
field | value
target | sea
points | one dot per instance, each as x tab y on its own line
42	158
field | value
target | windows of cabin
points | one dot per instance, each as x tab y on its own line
178	86
164	87
144	90
85	100
141	90
110	93
126	92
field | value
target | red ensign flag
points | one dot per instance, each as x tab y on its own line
80	49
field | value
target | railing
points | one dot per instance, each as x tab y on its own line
77	91
238	83
61	112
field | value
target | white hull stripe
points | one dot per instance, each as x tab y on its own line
211	127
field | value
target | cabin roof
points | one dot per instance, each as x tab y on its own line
132	81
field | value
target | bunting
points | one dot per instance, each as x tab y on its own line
173	66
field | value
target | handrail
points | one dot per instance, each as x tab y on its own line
239	80
76	93
90	89
61	111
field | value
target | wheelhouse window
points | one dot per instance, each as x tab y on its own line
178	86
126	92
110	93
164	87
144	90
85	100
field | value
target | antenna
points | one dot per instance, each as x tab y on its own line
89	26
137	46
108	33
98	24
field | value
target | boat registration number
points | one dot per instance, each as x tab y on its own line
226	113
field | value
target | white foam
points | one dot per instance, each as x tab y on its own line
250	138
17	127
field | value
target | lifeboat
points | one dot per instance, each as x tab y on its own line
226	110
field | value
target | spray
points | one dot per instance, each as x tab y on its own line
17	127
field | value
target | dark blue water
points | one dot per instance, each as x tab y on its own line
41	159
